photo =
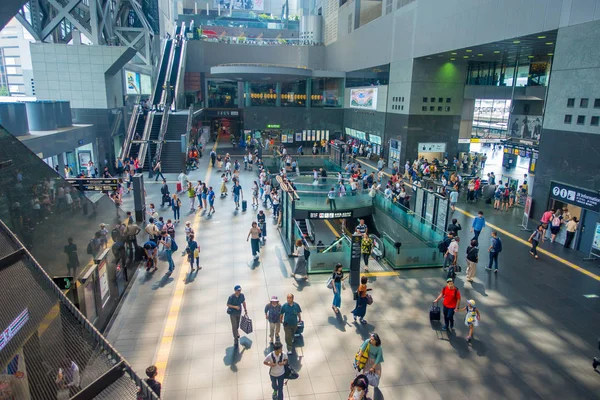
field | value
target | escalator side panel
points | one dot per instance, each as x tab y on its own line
162	72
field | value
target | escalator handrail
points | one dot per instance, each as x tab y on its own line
145	137
180	74
126	147
161	134
167	81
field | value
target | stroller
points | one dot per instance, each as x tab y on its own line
362	382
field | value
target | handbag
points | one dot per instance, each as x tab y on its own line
330	283
369	299
246	324
373	378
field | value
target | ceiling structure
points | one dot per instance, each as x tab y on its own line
8	10
525	49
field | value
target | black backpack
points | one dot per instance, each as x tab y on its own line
115	234
443	245
90	247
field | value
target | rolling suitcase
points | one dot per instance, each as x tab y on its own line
179	189
434	313
244	205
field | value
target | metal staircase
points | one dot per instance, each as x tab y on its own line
171	157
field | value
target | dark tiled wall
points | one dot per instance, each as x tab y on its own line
297	118
570	157
365	121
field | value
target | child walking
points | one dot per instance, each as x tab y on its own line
472	317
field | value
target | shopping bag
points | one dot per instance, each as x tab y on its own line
330	283
290	373
373	378
246	324
369	299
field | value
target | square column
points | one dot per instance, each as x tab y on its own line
278	94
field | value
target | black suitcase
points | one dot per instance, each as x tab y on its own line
434	313
300	329
244	205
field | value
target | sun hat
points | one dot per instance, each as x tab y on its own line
471	302
274	298
449	280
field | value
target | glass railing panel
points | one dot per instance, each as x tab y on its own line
319	201
323	260
416	255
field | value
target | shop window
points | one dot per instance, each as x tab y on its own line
432	108
424	99
448	109
568	118
448	99
433	99
580	119
597	103
440	108
594	121
440	100
570	102
424	108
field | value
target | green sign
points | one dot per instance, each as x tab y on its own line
273	126
63	282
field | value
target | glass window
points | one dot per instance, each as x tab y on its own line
571	102
441	100
580	119
10	60
597	103
568	118
374	76
222	94
433	99
263	94
11	70
293	93
490	118
594	121
583	103
448	99
447	108
432	108
327	92
424	108
425	99
440	108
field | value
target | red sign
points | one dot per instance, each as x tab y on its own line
527	209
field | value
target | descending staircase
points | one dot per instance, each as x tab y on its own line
304	229
171	156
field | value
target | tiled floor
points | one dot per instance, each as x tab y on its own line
536	338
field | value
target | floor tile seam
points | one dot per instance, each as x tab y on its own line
163	350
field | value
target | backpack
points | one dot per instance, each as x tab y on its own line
174	246
498	245
506	192
170	229
556	221
115	234
90	247
443	245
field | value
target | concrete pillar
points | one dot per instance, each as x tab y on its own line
308	91
278	93
357	14
61	163
247	102
240	95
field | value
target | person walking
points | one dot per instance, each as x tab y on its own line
494	250
454	227
360	310
261	219
276	360
451	256
273	315
337	278
331	199
302	254
453	199
158	171
555	223
478	225
193	252
536	238
275	203
545	220
366	247
571	229
198	190
255	195
235	302
291	315
211	200
151	373
167	242
237	193
254	235
451	296
165	194
176	207
472	259
471	318
370	357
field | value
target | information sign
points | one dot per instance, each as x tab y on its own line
95	184
583	198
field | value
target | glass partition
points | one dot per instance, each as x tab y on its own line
293	93
263	94
322	261
319	201
415	255
327	92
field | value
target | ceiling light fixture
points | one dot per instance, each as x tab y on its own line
452	59
453	54
479	55
549	43
550	54
529	56
516	41
469	51
465	56
542	37
497	52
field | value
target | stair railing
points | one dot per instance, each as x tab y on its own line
145	138
178	95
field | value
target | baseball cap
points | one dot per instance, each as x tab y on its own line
274	298
449	280
237	287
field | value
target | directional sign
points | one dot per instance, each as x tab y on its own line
63	282
95	184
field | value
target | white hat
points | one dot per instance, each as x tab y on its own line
274	298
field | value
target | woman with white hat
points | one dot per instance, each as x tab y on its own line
273	315
472	317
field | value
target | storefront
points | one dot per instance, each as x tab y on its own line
366	140
520	155
432	151
583	204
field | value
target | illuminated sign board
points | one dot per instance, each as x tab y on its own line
13	328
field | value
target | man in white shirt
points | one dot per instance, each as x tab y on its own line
452	253
277	360
453	199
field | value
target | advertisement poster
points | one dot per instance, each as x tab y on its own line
283	138
313	135
304	136
136	83
290	137
258	5
364	98
527	207
596	241
298	136
327	135
525	126
146	84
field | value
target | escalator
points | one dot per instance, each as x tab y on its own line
174	71
153	137
307	228
352	223
134	148
162	72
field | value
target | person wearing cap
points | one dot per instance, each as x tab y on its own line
276	360
472	318
104	235
273	315
451	296
234	309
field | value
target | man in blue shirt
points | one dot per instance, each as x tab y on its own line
291	315
167	242
478	225
151	250
237	192
494	250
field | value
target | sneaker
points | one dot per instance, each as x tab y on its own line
354	319
488	269
496	271
363	321
289	352
444	328
274	396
